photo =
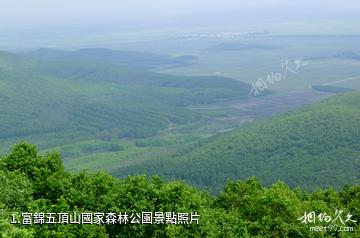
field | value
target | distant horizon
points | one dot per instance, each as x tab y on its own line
39	23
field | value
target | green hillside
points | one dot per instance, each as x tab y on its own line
318	146
55	103
38	185
206	88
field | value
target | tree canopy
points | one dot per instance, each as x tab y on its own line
34	183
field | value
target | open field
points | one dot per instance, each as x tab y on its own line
249	64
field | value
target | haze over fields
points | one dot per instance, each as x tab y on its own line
76	24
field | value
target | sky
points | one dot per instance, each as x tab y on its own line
38	13
34	22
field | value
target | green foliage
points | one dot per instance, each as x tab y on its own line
38	183
317	146
15	190
56	103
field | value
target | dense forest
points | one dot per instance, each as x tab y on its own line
317	146
109	110
73	98
176	119
34	184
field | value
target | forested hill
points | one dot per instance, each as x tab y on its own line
318	146
38	186
54	103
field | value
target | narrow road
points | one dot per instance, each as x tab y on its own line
343	80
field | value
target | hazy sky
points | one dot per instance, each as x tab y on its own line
18	13
35	23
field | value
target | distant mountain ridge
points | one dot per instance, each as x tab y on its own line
103	55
